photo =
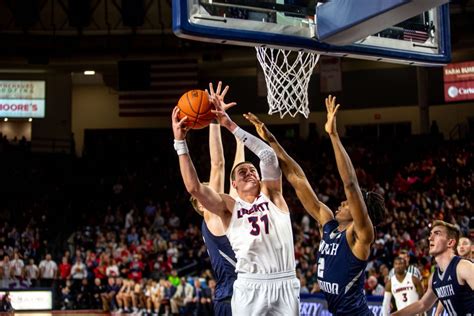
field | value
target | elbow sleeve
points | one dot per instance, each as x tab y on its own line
268	160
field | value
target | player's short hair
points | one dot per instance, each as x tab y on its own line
375	206
232	173
451	230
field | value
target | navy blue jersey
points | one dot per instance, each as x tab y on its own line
341	274
456	299
223	262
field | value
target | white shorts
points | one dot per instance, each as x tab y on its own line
266	294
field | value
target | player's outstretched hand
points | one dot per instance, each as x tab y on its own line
179	127
218	96
331	108
262	130
221	115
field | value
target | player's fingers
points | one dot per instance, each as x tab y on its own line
174	114
219	86
254	117
182	121
337	107
211	88
224	92
229	105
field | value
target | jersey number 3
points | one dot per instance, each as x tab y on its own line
255	227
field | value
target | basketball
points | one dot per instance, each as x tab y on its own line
196	106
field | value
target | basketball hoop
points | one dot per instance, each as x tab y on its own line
287	76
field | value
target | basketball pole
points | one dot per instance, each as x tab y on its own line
424	108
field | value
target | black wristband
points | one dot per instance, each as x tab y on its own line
214	121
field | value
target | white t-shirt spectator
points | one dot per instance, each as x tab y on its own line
48	269
112	271
32	272
78	271
7	270
17	266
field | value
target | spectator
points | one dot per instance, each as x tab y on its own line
32	272
5	303
373	287
64	270
16	266
48	271
202	299
78	271
182	297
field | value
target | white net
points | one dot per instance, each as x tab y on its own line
287	76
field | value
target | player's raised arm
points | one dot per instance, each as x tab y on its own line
216	151
420	306
294	174
363	228
216	178
210	199
269	168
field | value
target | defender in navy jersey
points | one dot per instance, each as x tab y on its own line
345	246
453	280
220	252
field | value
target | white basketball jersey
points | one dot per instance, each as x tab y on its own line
404	292
261	237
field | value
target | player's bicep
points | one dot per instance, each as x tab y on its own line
211	200
465	270
363	226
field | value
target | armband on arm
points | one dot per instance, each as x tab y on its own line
268	160
181	147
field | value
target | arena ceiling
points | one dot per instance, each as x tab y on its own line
54	35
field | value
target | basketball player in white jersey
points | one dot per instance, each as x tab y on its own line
257	223
404	286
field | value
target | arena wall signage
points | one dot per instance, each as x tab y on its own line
315	305
30	300
459	82
22	98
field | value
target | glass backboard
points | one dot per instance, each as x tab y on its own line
421	40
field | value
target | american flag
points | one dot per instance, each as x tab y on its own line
415	36
169	79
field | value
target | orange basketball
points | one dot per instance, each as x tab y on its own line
196	106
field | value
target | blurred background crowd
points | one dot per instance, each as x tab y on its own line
113	229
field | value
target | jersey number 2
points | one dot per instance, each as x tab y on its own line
255	227
321	268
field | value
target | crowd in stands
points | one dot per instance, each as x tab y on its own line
114	231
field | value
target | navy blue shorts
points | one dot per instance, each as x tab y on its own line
222	308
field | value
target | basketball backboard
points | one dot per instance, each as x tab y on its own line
421	40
